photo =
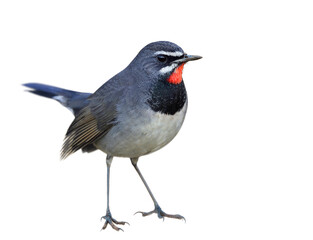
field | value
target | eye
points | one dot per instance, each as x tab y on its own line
162	58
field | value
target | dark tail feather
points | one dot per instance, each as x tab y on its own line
72	100
48	91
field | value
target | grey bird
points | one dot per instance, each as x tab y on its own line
136	112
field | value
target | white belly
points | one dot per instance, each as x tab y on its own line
139	136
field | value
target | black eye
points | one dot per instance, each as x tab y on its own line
162	58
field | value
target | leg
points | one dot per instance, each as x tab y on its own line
157	208
108	217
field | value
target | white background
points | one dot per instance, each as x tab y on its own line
240	168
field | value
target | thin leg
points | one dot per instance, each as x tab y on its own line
157	208
108	162
108	217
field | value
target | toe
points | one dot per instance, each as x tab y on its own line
177	216
105	225
116	228
120	223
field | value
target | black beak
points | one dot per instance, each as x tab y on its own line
187	58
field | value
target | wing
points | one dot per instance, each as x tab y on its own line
90	124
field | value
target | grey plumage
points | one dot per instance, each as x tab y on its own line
136	112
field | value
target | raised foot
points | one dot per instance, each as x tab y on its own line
161	214
110	220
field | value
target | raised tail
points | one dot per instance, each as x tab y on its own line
74	101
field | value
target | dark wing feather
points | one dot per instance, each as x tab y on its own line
90	124
95	120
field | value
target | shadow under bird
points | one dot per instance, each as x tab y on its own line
136	112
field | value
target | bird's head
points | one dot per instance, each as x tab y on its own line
163	61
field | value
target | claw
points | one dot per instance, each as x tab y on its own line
110	220
161	214
121	223
104	226
144	214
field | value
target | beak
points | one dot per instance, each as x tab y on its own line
187	58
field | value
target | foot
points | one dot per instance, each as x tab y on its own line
110	220
161	214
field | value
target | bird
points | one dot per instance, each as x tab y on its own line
136	112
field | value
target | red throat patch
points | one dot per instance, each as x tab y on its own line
177	76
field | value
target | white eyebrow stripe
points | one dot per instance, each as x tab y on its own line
172	54
168	68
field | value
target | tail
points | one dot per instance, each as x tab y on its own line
74	101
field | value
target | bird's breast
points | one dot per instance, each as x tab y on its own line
141	133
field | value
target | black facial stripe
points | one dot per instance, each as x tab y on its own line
167	98
172	58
